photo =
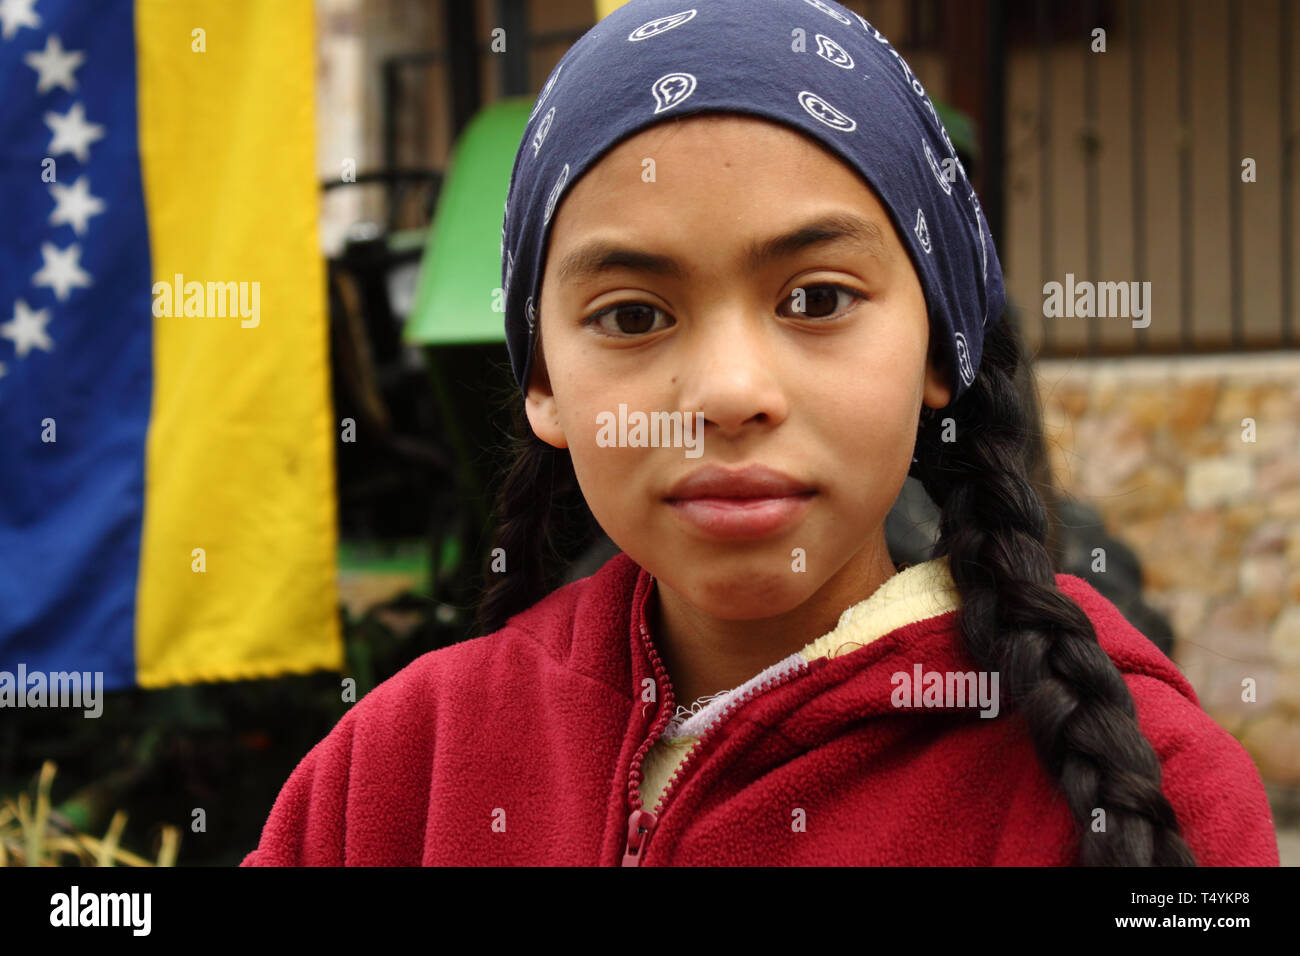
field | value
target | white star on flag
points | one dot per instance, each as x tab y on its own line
62	270
54	65
27	329
72	134
17	13
75	204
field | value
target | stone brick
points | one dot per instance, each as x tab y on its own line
1214	520
1278	473
1185	608
1286	688
1293	544
1285	504
1238	401
1150	408
1274	743
1153	489
1219	481
1270	537
1192	407
1285	638
1236	632
1110	450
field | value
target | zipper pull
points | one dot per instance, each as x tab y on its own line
640	824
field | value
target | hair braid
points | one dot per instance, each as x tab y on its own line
539	504
1015	620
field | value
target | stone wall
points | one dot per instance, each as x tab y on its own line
1195	463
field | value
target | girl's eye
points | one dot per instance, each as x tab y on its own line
638	318
627	318
819	300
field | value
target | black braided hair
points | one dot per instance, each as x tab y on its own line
996	532
539	515
1015	620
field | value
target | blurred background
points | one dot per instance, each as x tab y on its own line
1110	141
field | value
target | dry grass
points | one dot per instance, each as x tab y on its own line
40	836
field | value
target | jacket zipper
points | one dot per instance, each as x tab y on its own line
641	822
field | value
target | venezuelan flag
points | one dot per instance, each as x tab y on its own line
166	439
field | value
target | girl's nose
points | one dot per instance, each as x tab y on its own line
731	375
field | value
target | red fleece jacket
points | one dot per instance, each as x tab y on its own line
524	747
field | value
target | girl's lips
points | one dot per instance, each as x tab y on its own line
743	517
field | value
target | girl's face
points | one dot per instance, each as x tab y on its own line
700	312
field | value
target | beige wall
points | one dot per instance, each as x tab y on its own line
1162	448
1215	174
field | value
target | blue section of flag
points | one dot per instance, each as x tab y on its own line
71	509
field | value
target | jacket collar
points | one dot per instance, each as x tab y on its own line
917	593
911	598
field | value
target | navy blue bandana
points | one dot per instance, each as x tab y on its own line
808	64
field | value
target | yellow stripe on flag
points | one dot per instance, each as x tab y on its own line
605	7
240	447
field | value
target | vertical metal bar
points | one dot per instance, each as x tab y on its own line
462	63
1185	209
995	122
1288	160
1092	181
1045	161
392	103
1137	116
965	47
512	17
1234	173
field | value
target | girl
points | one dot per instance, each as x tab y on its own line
739	230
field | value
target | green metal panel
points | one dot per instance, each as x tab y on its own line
462	261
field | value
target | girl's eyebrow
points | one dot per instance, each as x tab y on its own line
588	261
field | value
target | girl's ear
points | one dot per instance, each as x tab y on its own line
938	377
543	414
